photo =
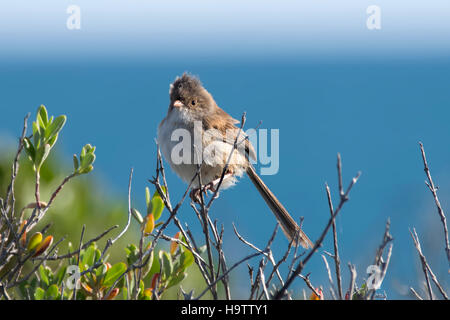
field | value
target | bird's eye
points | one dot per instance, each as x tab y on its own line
193	102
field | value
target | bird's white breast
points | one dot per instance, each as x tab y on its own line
212	164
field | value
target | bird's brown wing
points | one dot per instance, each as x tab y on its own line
227	131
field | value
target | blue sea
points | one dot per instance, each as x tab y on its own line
373	112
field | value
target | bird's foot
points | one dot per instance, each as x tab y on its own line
196	192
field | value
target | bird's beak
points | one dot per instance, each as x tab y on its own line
178	104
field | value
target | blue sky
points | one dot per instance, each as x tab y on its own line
229	28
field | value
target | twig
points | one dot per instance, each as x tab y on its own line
15	168
167	238
263	284
352	281
329	276
278	264
337	261
129	209
387	237
414	292
426	267
74	297
433	190
309	284
204	223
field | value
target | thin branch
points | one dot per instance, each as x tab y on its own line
129	209
433	190
15	168
426	268
414	292
329	276
74	295
263	284
337	261
351	288
309	284
387	237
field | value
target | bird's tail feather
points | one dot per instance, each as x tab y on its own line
287	223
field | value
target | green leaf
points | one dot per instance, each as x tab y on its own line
132	253
148	267
41	155
89	256
98	254
43	115
52	292
83	152
101	272
114	273
148	200
86	170
157	206
34	241
60	275
55	127
141	286
36	135
167	265
137	215
76	164
35	127
43	275
177	279
29	149
87	160
156	267
186	259
39	294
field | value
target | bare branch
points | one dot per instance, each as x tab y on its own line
433	191
426	268
309	284
418	297
337	261
15	168
387	237
352	280
129	210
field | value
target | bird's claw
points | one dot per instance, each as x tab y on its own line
196	193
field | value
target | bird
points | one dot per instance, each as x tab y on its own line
196	135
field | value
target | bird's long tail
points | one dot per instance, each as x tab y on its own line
287	223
